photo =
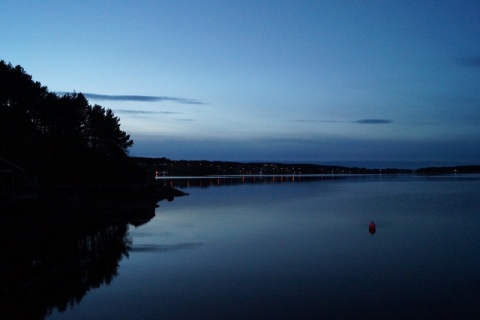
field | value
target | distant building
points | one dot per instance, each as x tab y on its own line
16	185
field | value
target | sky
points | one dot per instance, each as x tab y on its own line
306	81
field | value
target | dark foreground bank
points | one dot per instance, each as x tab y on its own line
69	241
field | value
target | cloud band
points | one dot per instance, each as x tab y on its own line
137	98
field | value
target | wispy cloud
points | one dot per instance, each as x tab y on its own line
373	121
165	248
425	123
316	121
180	119
361	121
137	98
143	112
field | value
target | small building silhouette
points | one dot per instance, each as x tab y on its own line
150	171
16	185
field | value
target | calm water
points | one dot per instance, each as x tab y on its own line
283	249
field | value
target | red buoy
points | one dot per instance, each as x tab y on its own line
372	228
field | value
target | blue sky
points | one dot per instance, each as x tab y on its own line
310	81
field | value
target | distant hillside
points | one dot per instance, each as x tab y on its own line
449	170
164	166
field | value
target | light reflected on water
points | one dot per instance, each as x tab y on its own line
288	248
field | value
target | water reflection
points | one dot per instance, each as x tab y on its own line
217	181
47	265
294	251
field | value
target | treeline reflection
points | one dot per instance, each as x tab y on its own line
47	265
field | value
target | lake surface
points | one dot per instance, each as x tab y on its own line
298	248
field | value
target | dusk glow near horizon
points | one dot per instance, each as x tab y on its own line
306	81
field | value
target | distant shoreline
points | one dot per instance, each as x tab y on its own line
199	168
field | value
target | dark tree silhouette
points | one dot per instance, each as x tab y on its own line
62	139
104	132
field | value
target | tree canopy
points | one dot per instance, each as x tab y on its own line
62	139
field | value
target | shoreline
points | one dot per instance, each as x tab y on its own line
180	168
